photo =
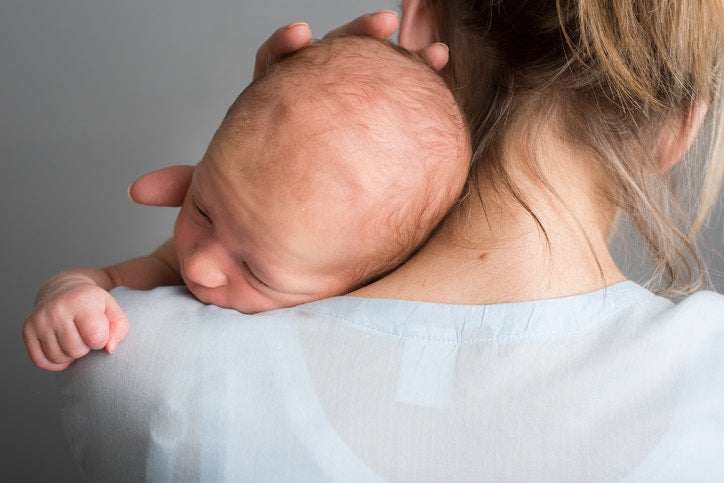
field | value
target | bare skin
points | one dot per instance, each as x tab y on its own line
497	240
465	261
507	246
74	312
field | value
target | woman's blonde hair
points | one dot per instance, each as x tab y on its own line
618	73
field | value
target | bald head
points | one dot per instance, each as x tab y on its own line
361	130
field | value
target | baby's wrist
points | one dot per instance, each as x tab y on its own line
61	283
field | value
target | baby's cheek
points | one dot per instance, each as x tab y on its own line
245	298
212	296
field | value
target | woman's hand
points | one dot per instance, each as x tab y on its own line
381	24
293	37
163	187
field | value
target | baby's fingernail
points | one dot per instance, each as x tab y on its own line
128	191
112	346
296	24
380	12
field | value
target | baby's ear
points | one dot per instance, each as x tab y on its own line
163	187
678	136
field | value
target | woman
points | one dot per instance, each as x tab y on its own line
510	346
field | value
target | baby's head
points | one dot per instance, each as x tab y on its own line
326	173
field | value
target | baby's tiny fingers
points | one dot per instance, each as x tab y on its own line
92	326
118	324
34	348
52	350
35	351
70	341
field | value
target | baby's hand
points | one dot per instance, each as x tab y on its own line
73	315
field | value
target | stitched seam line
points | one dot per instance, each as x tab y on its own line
393	335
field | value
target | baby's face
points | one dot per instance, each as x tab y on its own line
248	238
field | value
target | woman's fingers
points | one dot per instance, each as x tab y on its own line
380	24
284	41
293	37
163	187
437	55
168	186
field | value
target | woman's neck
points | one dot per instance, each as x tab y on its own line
493	251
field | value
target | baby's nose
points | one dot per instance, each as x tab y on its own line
203	270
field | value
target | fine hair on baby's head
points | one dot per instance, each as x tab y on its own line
381	149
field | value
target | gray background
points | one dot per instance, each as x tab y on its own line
94	93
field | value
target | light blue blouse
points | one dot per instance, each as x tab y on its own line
616	384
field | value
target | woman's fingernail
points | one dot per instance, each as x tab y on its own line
443	45
296	24
380	12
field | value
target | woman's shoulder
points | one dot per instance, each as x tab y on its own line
637	390
701	312
175	305
705	302
624	301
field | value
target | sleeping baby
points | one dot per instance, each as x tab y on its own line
326	173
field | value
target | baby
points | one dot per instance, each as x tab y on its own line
326	173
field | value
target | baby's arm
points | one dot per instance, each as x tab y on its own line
74	313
